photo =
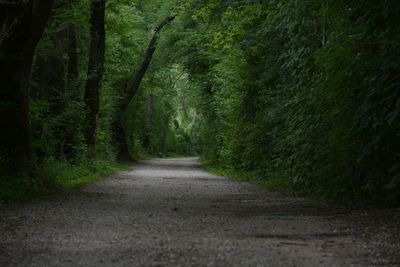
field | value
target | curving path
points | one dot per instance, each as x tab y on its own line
169	212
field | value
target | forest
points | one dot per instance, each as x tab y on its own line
300	96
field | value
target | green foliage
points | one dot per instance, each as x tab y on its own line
73	176
304	95
163	119
19	188
53	175
297	95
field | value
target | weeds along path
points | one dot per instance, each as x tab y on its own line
169	212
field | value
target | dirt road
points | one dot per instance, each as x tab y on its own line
169	212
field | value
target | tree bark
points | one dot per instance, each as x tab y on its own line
22	25
73	70
95	72
164	138
147	125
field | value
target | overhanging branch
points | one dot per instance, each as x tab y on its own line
137	79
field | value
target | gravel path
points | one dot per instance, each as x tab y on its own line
169	212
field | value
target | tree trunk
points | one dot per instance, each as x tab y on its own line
73	70
72	51
164	138
133	88
137	79
147	126
22	25
95	72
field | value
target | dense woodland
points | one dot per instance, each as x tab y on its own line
300	95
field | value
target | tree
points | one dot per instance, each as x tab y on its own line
134	86
95	71
22	25
73	70
138	77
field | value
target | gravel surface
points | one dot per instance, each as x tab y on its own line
169	212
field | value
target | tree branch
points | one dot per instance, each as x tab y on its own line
137	80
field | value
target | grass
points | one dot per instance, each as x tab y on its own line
286	185
74	176
20	189
243	176
274	184
53	176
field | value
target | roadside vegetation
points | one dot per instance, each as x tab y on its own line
53	177
303	95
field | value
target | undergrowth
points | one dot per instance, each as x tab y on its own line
286	185
53	176
73	176
282	185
